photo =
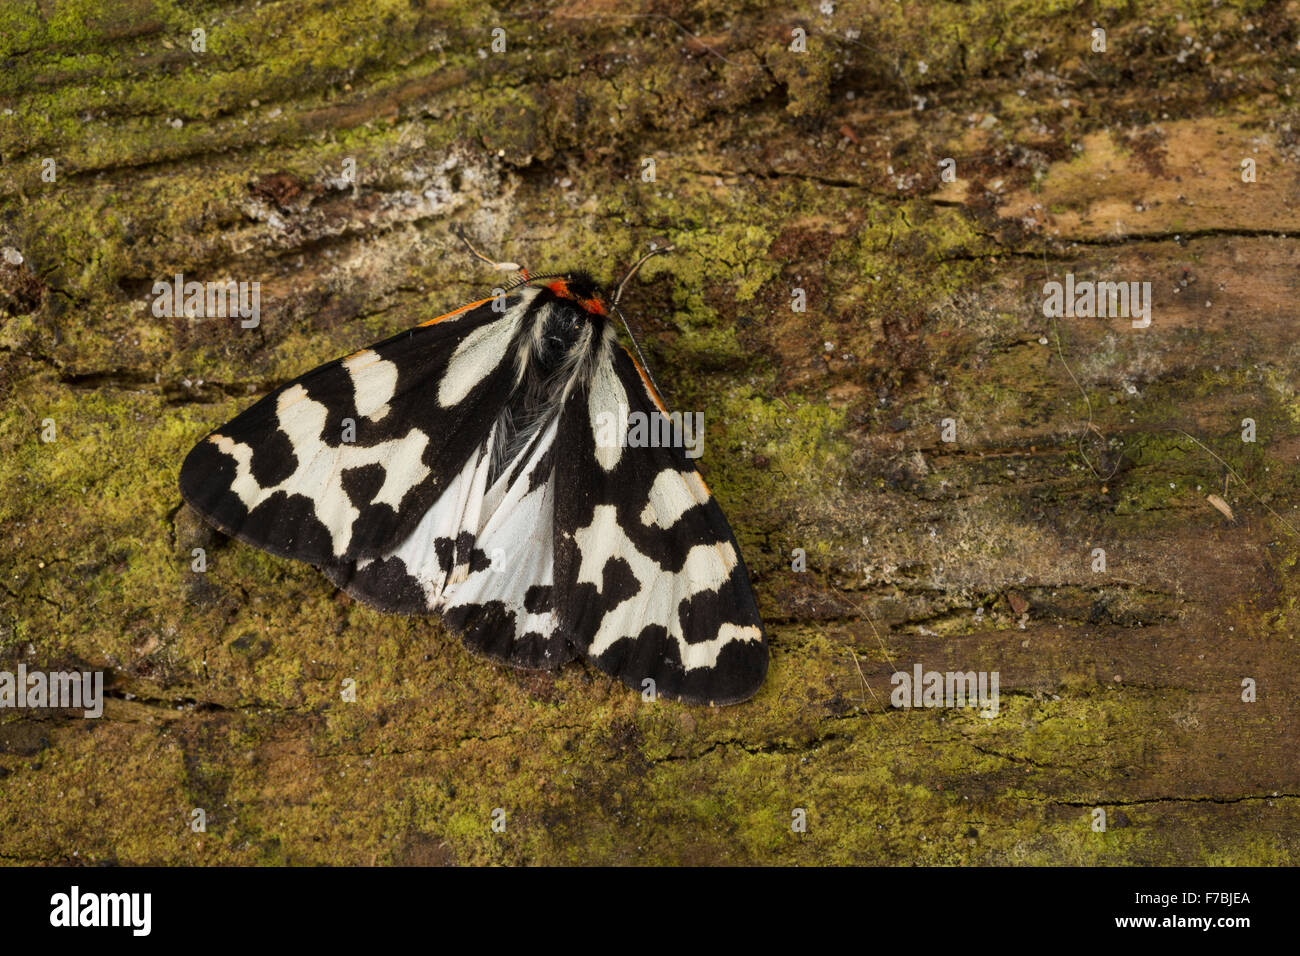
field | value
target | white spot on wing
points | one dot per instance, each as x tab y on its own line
480	352
672	495
373	382
606	396
705	653
244	486
735	632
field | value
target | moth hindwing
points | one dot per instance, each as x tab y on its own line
468	468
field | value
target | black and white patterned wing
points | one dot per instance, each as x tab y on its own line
345	461
378	468
649	579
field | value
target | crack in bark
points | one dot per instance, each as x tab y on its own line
1201	799
1179	237
1020	760
833	182
757	749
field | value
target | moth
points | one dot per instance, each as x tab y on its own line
467	468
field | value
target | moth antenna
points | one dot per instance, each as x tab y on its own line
633	271
645	367
618	294
500	266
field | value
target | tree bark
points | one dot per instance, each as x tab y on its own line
327	149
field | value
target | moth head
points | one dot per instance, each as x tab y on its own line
582	290
568	320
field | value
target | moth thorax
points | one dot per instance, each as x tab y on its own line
557	334
548	359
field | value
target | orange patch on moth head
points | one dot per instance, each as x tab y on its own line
561	288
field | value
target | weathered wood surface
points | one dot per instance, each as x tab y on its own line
775	170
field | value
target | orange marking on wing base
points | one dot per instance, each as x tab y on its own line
645	379
448	315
